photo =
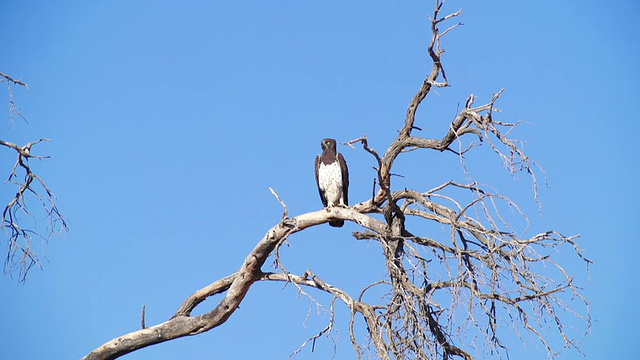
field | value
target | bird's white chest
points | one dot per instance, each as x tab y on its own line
330	181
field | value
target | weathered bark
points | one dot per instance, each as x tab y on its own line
486	265
235	285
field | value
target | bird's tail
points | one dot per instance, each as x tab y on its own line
336	223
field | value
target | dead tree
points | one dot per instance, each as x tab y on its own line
19	222
445	298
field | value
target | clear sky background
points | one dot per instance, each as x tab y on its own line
170	120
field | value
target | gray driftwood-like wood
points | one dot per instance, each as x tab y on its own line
490	272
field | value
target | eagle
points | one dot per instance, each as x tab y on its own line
332	178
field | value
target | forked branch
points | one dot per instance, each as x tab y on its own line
445	296
21	256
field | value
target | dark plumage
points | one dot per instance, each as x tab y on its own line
332	178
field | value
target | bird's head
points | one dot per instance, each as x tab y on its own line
328	144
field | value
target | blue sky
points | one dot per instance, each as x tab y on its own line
170	121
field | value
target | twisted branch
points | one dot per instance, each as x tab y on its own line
440	293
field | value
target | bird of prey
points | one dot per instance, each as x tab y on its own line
332	178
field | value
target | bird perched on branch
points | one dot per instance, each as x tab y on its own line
332	178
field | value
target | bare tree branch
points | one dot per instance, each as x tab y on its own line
446	297
21	257
13	109
13	81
